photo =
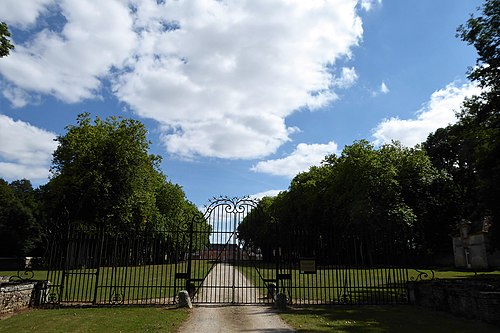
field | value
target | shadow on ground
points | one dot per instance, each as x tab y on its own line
380	319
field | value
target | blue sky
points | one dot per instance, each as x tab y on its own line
238	96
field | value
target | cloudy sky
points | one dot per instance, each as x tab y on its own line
238	95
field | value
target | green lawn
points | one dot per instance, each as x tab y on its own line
455	274
89	320
38	274
156	284
132	285
379	319
342	319
349	285
334	285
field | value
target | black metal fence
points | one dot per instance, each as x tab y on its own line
99	267
207	257
323	266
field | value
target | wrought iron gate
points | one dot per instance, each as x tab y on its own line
233	253
220	268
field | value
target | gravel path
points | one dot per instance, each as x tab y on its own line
218	287
232	318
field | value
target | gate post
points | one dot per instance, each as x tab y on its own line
234	258
190	257
277	257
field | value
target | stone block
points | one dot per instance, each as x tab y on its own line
184	299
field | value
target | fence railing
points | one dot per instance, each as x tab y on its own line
99	267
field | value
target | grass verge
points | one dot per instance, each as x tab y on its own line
89	320
380	319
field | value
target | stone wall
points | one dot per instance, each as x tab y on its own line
14	297
468	298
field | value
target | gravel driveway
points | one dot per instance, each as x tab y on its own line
231	318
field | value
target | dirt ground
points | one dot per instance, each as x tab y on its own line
232	318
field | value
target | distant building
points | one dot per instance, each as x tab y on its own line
221	253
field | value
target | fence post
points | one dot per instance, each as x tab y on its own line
65	263
101	245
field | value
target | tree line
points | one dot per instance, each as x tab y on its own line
102	177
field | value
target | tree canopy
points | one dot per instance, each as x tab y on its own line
103	175
393	190
20	220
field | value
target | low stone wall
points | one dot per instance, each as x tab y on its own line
474	299
14	297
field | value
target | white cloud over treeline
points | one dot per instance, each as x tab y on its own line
439	111
303	157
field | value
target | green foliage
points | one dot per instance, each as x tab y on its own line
451	151
391	191
20	230
104	176
483	33
5	44
257	229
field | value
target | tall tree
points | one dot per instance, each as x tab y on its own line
5	44
104	175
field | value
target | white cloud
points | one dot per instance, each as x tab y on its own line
438	112
17	97
16	171
347	78
303	157
220	77
383	88
23	13
25	150
70	64
368	4
270	193
223	83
